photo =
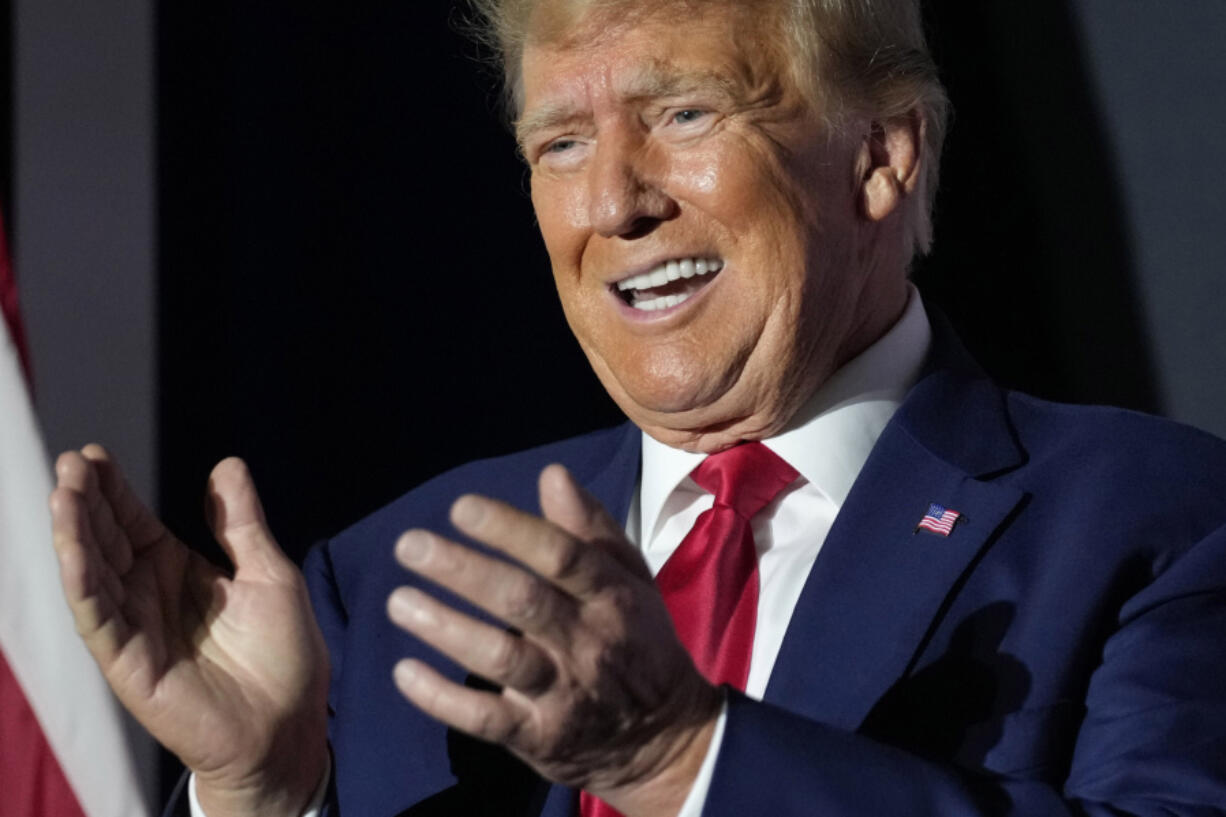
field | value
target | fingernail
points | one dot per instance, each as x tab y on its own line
405	607
405	673
400	603
468	511
413	547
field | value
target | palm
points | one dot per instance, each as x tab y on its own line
212	666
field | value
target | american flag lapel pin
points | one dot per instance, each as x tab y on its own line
939	520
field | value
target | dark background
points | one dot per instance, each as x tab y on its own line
359	299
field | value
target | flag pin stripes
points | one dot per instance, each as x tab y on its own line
939	520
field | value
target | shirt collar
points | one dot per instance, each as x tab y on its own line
829	439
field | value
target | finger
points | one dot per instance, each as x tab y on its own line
76	473
136	526
69	503
486	715
568	505
237	520
577	567
519	598
491	652
93	591
93	569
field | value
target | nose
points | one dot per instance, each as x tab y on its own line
626	188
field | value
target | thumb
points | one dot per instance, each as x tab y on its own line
236	518
567	504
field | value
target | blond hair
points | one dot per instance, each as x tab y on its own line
854	58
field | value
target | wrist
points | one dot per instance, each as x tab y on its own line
664	792
286	790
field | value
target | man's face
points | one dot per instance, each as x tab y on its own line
702	223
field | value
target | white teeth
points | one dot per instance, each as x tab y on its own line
670	271
664	302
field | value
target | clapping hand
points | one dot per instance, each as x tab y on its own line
596	690
228	672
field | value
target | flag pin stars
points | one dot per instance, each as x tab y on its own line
939	520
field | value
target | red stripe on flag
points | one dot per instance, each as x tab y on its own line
32	782
9	308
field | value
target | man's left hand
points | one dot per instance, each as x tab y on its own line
597	691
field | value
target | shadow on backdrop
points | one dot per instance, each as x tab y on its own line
1032	259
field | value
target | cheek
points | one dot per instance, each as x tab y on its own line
742	185
700	174
714	178
561	216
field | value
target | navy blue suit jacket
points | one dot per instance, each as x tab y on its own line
1063	651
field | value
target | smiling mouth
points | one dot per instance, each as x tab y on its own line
668	284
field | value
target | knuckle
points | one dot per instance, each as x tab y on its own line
625	597
622	602
610	657
566	559
427	695
525	599
446	559
489	723
506	655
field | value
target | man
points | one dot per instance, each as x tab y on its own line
964	601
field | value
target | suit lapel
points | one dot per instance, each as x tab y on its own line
878	587
562	801
614	481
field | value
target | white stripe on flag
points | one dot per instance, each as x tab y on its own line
81	719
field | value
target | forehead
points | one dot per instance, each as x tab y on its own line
717	47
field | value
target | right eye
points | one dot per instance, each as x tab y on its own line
562	153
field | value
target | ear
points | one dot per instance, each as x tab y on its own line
889	164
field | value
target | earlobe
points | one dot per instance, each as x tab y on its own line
889	161
881	193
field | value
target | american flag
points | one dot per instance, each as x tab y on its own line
939	519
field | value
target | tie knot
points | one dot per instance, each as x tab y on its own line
745	477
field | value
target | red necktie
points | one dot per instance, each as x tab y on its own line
710	583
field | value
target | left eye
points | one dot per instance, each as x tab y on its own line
688	115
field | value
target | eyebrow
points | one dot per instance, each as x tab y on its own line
659	79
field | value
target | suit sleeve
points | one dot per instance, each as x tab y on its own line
332	619
1152	742
329	610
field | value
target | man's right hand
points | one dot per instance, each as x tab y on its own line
230	674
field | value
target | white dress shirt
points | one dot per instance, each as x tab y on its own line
828	443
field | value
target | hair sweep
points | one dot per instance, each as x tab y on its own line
855	58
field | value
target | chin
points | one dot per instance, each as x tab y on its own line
686	407
710	439
710	427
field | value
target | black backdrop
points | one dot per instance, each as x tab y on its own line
353	296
